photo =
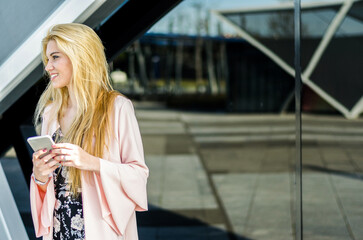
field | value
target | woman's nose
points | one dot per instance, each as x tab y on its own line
49	66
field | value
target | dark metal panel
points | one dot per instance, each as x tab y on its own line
131	22
16	124
104	12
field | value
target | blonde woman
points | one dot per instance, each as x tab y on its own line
94	179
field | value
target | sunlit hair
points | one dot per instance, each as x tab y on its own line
91	86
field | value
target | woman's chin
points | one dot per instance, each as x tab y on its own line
57	85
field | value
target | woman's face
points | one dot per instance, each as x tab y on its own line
59	66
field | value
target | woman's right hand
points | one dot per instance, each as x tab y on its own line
43	166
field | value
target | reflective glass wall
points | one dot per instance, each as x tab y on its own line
332	37
217	119
213	86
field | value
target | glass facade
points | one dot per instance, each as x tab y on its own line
215	103
214	95
331	149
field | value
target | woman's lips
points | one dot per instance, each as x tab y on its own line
52	76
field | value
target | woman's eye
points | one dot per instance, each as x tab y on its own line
55	56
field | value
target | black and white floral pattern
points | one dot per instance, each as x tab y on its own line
68	222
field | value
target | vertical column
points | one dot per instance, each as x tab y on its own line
298	174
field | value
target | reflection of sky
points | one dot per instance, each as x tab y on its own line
350	26
280	24
183	19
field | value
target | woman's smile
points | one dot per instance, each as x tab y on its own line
53	76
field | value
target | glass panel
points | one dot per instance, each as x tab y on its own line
332	137
274	28
219	149
338	71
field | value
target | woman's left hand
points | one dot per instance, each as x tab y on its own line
73	156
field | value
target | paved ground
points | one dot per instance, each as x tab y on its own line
218	176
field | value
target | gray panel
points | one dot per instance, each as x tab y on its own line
19	19
22	87
11	225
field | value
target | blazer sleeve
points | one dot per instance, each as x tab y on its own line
42	203
123	183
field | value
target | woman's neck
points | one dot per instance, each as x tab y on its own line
69	112
71	104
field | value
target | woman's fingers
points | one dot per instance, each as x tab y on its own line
45	165
54	168
48	157
52	162
63	145
63	158
61	151
37	154
68	163
72	155
66	152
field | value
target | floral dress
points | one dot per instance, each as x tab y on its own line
68	222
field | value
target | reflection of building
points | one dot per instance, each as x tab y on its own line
332	53
230	68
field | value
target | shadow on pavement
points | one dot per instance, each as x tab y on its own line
334	171
170	225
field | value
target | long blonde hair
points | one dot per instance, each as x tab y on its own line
91	86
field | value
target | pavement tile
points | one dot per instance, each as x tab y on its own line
161	127
181	182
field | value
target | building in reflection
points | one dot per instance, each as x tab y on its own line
253	70
331	52
229	74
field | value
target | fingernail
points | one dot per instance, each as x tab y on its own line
44	150
50	151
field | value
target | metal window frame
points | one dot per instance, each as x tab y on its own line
298	137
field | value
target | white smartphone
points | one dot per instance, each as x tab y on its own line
41	142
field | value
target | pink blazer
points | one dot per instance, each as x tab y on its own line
111	197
